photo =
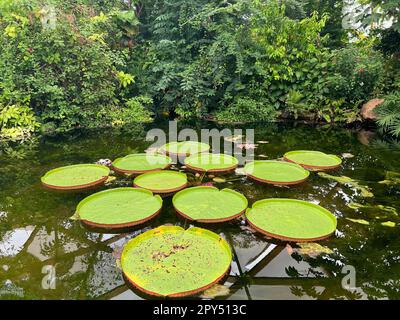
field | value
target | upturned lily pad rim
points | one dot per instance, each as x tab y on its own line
198	168
291	239
163	149
117	225
216	220
176	229
283	163
127	171
75	187
163	191
314	167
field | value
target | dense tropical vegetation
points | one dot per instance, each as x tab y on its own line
92	63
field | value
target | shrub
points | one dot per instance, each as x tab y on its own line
17	122
389	113
356	74
245	109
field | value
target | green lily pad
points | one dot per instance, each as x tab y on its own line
208	204
210	162
364	190
165	181
390	224
141	163
359	221
276	172
171	261
291	220
313	159
120	207
313	249
184	148
79	176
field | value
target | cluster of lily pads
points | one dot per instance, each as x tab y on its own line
172	261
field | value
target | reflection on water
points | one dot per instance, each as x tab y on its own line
35	230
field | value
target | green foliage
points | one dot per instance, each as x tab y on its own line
389	113
356	73
65	62
102	63
245	109
17	122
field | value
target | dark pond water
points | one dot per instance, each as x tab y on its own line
37	237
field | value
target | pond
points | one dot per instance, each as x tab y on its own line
37	237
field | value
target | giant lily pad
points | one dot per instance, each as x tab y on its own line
276	172
208	204
170	261
141	163
313	159
117	208
166	181
291	220
76	177
184	148
210	162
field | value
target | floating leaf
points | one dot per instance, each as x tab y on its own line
171	261
215	291
312	249
120	207
388	224
163	181
389	209
141	162
219	180
208	204
211	162
291	220
364	190
276	172
110	179
313	159
262	142
76	177
360	221
184	148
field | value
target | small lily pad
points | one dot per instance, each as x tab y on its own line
291	220
359	221
141	163
364	190
173	262
184	148
208	204
390	224
117	208
75	177
313	249
210	162
276	172
313	159
165	181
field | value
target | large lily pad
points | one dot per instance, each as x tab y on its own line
291	220
313	159
210	162
171	261
76	177
166	181
276	172
117	208
184	148
141	163
208	204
